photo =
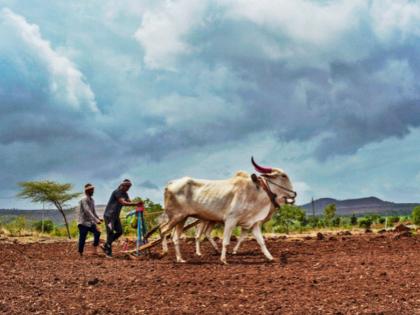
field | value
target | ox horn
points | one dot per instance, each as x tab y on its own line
260	169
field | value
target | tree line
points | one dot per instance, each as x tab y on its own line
288	218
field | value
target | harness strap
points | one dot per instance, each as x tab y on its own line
256	180
272	196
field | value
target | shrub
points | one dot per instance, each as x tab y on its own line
415	215
48	226
393	219
329	213
61	231
336	221
286	216
313	222
353	220
17	227
365	223
374	217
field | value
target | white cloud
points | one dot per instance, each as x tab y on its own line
395	20
67	83
162	30
281	30
304	21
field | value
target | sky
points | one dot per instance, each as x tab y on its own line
98	91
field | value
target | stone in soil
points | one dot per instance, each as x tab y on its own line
93	281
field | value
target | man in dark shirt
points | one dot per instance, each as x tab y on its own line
119	198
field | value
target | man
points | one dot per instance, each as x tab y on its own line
87	220
118	199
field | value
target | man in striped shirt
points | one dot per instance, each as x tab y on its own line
87	220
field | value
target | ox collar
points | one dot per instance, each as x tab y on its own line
260	181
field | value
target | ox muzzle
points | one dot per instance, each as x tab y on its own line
290	200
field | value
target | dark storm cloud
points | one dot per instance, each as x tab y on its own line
353	88
47	111
93	101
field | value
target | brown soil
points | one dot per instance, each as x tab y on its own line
402	228
360	274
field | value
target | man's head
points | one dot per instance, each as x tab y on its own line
125	185
89	189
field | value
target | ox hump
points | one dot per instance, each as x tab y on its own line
242	174
179	184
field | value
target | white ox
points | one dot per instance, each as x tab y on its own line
237	201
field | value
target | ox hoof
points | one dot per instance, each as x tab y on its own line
198	254
182	261
234	252
224	262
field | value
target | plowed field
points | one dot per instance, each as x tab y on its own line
366	274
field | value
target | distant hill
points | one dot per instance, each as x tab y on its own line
360	206
344	207
36	215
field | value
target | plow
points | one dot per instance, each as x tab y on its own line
143	240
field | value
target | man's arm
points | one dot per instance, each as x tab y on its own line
124	202
94	210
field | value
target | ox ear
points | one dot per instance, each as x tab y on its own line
275	173
271	175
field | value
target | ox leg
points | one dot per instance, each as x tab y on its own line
200	228
256	230
165	244
177	234
166	230
227	233
210	238
242	237
165	235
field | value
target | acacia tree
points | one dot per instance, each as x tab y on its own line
50	192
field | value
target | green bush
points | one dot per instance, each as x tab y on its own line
286	218
268	226
365	222
329	214
345	222
313	222
415	215
17	226
353	220
336	221
393	219
61	231
48	226
374	218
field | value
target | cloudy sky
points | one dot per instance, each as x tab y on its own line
97	91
